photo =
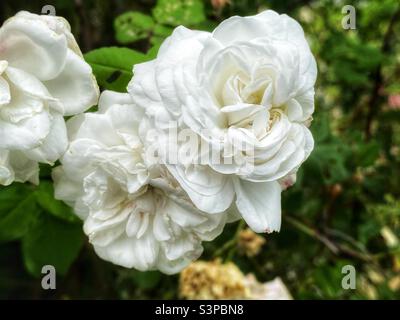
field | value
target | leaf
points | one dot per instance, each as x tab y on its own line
132	26
179	12
51	241
45	199
162	31
18	211
152	53
147	280
367	154
113	66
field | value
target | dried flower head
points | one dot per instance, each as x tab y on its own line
250	243
212	280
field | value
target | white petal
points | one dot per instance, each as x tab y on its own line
5	96
75	86
26	134
32	46
24	169
259	204
209	190
55	144
128	252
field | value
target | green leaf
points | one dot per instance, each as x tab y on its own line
18	211
51	241
113	66
179	12
45	199
132	26
162	31
147	280
367	154
152	53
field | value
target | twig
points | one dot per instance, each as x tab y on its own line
313	233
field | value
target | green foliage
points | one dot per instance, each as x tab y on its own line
49	231
45	199
113	66
133	26
343	209
18	210
51	241
179	12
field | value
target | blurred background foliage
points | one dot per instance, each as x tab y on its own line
344	208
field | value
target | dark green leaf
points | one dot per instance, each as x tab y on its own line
18	211
113	66
51	241
45	199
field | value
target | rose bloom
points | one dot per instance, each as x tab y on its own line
135	213
43	77
247	91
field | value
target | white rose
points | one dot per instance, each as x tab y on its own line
248	84
43	77
135	213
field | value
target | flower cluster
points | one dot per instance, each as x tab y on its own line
43	77
246	90
238	101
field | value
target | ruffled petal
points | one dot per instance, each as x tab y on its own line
30	45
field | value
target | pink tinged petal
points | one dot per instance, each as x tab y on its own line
75	86
259	203
31	45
